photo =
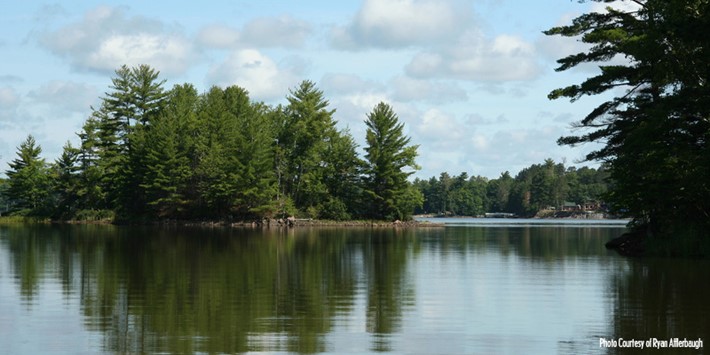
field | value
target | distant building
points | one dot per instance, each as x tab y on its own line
587	206
570	206
499	215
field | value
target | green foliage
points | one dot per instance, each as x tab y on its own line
307	128
537	187
234	154
459	196
4	201
388	153
168	154
91	192
65	175
655	135
28	180
94	215
334	209
149	154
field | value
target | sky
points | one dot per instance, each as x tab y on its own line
468	78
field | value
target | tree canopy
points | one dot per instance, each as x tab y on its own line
150	153
28	179
388	153
539	188
653	60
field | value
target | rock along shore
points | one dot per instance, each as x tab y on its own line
296	222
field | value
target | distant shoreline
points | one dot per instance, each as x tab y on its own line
264	223
592	216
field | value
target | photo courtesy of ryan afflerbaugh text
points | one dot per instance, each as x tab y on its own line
651	343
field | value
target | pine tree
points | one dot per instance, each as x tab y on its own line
258	190
219	168
388	153
66	182
127	111
654	134
28	180
341	175
168	152
91	192
308	127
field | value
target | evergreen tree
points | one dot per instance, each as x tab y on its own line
168	151
234	143
258	190
341	176
127	111
218	166
655	134
498	193
66	182
91	190
387	155
4	202
28	179
305	134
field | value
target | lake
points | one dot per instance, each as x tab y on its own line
475	287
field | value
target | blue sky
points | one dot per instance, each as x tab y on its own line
469	78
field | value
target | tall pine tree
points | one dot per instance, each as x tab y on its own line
388	154
655	131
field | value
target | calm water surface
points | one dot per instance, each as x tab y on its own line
476	288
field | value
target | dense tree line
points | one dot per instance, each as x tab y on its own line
151	153
655	127
537	187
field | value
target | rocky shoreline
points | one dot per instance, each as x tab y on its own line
628	244
296	222
267	223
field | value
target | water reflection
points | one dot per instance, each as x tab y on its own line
179	290
663	299
462	289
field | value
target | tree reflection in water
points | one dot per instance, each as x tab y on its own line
183	290
663	299
218	290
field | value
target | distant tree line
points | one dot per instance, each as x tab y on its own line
537	187
151	153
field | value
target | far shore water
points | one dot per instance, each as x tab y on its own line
418	221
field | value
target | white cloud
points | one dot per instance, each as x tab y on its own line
399	88
409	89
165	52
454	144
402	23
219	36
8	98
627	6
283	31
504	58
67	96
339	83
440	130
106	38
503	148
475	119
367	101
352	109
256	72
